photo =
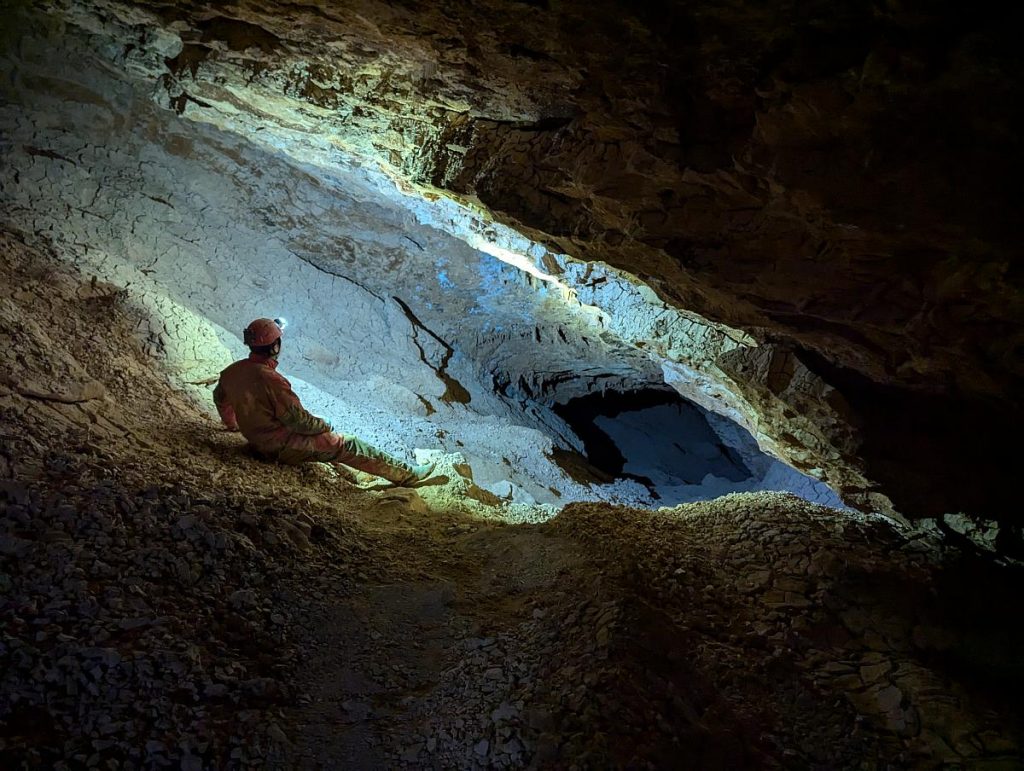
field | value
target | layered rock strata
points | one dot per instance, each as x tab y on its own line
835	183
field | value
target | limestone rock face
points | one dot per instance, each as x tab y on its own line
822	198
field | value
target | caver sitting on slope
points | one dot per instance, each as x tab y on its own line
253	398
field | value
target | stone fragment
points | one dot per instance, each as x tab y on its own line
873	672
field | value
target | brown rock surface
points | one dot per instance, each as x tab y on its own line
167	600
838	181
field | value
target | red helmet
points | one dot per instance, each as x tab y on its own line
261	332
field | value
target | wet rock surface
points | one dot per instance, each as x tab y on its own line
168	601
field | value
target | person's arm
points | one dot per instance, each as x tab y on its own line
289	410
224	408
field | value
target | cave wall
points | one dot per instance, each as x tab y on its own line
208	231
825	193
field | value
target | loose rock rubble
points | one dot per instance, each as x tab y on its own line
169	601
836	630
142	621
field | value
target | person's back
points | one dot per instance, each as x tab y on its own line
244	387
261	404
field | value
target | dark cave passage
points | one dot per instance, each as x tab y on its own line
678	450
649	430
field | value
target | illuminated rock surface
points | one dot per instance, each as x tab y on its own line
168	599
836	190
459	349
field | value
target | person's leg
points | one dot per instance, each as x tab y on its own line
365	457
298	449
335	448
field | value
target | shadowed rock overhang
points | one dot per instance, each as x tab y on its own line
803	217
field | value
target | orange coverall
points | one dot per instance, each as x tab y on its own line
253	398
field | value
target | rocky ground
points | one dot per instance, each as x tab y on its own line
169	601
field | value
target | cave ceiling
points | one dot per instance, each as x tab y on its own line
826	194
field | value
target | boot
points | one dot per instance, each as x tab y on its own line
417	475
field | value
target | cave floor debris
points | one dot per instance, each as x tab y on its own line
168	600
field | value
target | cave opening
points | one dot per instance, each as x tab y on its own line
675	448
